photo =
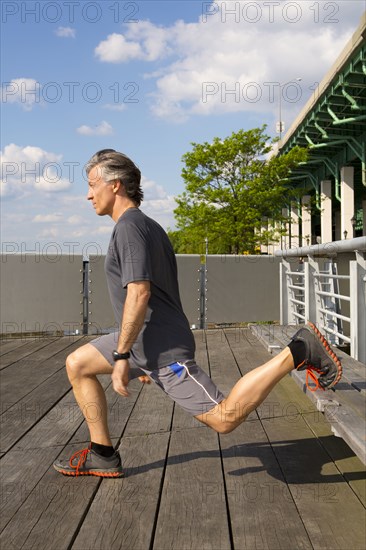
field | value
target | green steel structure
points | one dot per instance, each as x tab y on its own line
332	126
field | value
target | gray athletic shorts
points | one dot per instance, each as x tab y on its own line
186	383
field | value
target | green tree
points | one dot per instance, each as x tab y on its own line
230	185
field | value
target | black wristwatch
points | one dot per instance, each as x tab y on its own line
117	356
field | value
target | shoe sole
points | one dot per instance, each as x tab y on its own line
89	473
329	352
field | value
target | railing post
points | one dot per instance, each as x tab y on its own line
202	298
284	302
311	285
85	297
358	308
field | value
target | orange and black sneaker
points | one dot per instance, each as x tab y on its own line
318	358
88	463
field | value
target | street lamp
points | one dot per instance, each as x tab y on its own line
345	233
280	124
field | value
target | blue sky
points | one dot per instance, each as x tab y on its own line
146	78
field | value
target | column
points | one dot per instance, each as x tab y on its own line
284	238
337	220
306	220
275	227
295	229
326	214
264	227
347	201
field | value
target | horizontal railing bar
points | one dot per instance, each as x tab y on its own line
296	287
297	301
298	273
322	293
334	314
298	315
335	333
327	276
326	249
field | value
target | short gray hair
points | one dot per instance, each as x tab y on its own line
117	166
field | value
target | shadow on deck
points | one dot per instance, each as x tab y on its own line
279	481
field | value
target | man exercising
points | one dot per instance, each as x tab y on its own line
154	340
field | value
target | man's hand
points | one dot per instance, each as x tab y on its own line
120	377
144	379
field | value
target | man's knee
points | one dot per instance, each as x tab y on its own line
74	365
222	419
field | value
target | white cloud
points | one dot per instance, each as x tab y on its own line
65	32
116	49
152	190
49	233
115	106
75	220
144	41
232	58
103	230
103	129
47	218
27	168
24	91
157	203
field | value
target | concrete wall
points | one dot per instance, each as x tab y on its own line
242	288
42	295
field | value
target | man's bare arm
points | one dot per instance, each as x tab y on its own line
134	312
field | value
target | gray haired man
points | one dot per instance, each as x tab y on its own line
154	340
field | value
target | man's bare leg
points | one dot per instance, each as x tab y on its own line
82	367
248	393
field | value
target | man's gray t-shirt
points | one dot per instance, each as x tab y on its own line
140	250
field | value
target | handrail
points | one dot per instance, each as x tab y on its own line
326	249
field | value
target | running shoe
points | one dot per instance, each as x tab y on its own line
319	358
88	463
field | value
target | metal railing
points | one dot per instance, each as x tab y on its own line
326	284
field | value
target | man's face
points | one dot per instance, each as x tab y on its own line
100	193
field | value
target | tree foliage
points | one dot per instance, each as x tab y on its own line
230	185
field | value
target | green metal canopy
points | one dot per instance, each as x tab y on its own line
333	124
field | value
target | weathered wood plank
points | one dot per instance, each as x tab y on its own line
190	516
50	515
20	417
7	346
24	351
20	473
128	506
37	500
223	368
47	505
55	428
143	420
27	374
57	346
47	508
263	514
332	514
58	492
342	455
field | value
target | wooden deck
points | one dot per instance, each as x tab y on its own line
282	480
